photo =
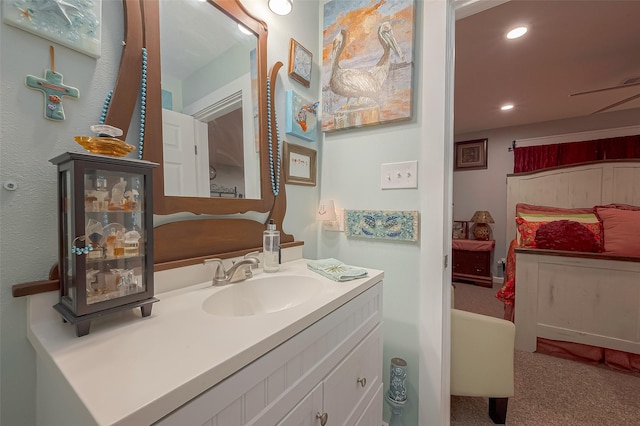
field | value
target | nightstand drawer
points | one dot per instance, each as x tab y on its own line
472	265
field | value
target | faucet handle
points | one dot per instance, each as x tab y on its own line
220	272
254	255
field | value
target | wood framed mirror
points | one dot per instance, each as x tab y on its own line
167	201
197	227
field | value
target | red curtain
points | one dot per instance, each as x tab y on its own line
531	158
618	148
577	152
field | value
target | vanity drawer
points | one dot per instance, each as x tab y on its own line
349	388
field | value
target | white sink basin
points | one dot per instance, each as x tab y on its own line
262	295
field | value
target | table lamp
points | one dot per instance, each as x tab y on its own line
481	229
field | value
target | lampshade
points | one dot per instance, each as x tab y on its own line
482	216
326	210
281	7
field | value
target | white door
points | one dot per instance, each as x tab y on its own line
179	153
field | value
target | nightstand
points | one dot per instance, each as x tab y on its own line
472	261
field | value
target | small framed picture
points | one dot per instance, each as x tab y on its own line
299	165
460	230
300	61
300	116
470	155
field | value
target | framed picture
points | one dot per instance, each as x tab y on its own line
367	76
460	230
71	23
301	120
300	61
299	165
470	155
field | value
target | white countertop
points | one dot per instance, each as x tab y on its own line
131	370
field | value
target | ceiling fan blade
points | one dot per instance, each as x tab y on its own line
624	101
620	86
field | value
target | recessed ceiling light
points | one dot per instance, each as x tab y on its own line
516	32
506	107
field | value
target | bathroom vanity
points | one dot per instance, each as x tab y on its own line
297	349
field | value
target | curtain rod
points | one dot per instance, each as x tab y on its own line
577	136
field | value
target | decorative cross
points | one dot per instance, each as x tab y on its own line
53	89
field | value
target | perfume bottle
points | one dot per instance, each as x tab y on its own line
101	193
118	246
132	243
110	244
117	195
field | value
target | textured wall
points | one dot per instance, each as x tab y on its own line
28	237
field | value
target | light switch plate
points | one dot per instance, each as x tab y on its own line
399	175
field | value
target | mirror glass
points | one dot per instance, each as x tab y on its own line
210	122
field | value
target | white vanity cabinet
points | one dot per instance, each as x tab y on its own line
333	367
350	395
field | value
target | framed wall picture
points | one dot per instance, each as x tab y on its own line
300	116
367	63
300	61
470	155
71	23
299	165
460	230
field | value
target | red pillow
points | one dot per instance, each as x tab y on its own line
565	235
527	231
620	229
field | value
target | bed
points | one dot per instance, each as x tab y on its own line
577	302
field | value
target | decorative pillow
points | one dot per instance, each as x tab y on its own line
527	232
565	235
547	210
536	215
621	229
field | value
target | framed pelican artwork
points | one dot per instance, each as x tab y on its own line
301	120
367	59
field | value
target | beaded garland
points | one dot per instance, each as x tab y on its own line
143	103
275	177
81	250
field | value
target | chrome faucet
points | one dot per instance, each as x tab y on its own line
239	271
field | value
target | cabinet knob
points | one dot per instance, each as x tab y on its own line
323	418
363	381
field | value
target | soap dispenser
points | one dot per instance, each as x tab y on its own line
271	248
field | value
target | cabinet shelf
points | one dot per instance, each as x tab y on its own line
97	212
111	259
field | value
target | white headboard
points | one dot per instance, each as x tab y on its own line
585	185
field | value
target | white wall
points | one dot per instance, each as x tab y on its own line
487	190
29	236
302	24
413	271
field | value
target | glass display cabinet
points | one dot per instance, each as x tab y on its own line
106	237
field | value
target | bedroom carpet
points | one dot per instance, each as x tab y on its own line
550	391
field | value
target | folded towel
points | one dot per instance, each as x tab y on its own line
336	270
